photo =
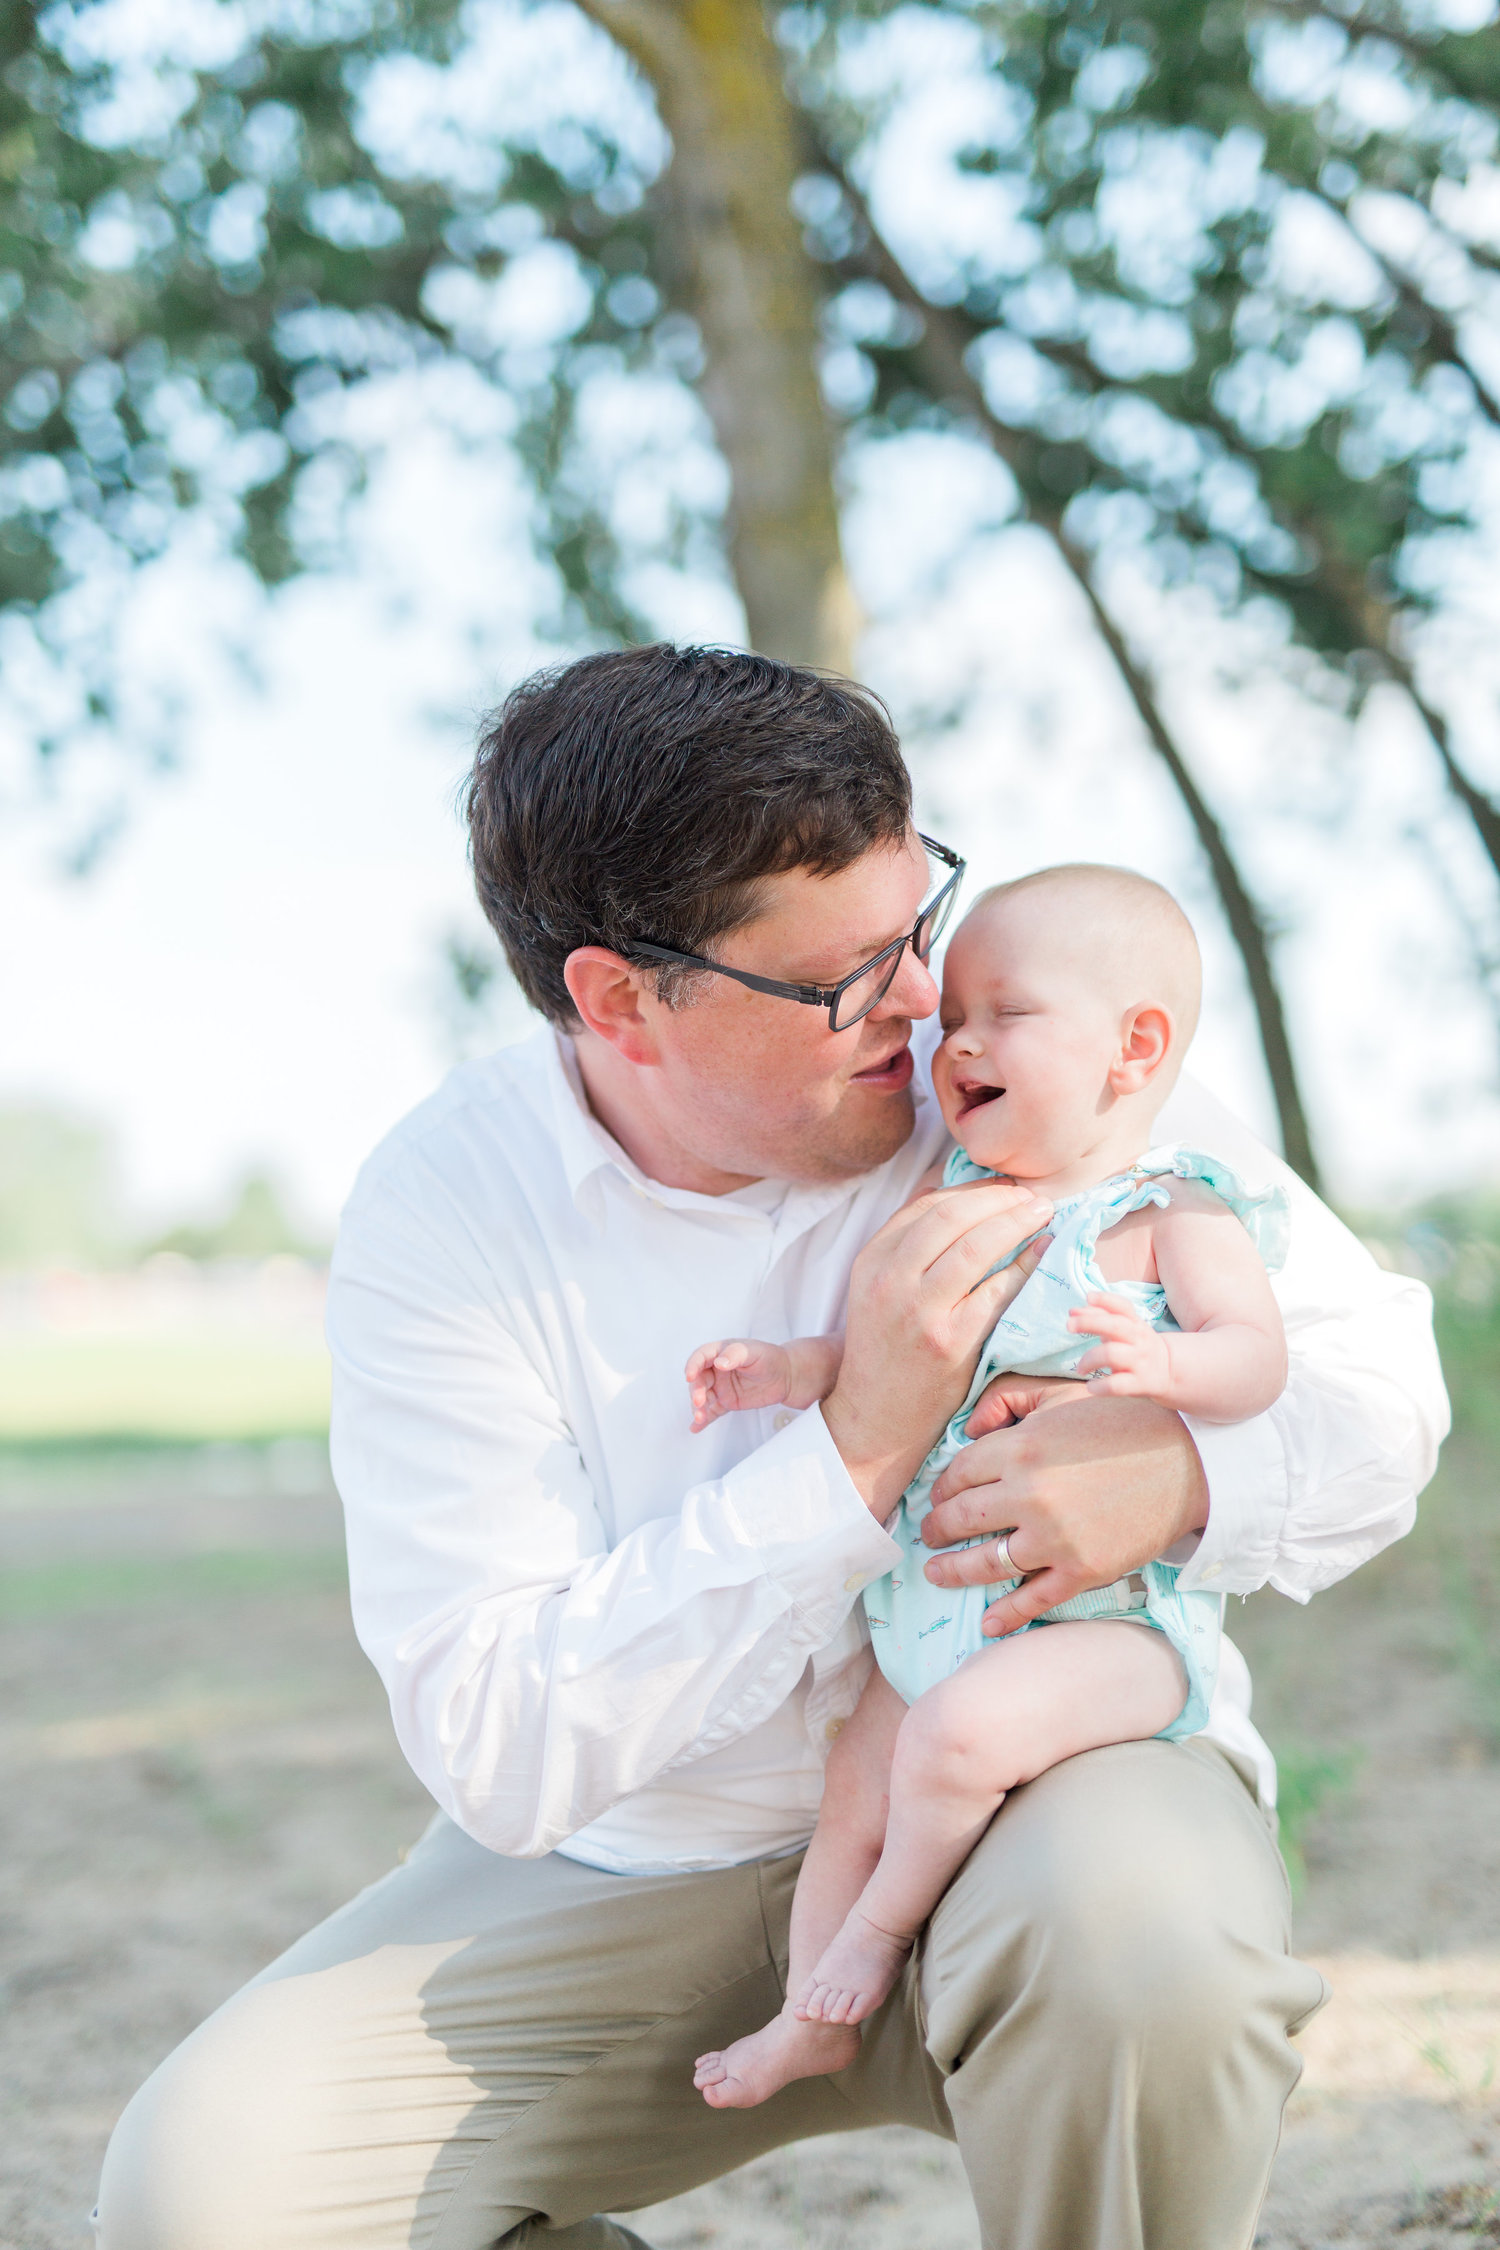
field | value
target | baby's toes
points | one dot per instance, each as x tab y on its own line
708	2070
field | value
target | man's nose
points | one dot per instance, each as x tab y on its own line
912	990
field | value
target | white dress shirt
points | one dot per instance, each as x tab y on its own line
603	1635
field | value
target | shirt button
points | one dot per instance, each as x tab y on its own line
834	1729
1214	1570
781	1420
855	1584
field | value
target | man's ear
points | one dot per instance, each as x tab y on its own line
1146	1040
608	991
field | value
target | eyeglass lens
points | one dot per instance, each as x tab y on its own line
933	923
858	998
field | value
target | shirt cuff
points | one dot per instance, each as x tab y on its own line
796	1504
1248	1497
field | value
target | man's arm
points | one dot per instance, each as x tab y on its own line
537	1672
1294	1498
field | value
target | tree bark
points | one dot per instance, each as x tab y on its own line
746	278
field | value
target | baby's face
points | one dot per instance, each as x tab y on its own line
1028	1041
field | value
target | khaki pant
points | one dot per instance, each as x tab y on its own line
474	2046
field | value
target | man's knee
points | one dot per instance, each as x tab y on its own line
167	2182
1129	1898
211	2153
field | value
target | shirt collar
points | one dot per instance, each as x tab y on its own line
587	1149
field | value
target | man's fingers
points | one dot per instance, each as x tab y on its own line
980	1565
990	1218
982	1462
1002	1289
971	1265
1030	1599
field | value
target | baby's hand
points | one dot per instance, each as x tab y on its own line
729	1378
1136	1355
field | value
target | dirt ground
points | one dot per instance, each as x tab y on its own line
197	1765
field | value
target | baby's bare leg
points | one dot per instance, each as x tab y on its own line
1004	1717
840	1861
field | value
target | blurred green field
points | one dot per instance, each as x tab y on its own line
169	1390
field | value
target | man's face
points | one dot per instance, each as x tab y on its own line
761	1086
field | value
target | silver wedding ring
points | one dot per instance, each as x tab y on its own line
1007	1561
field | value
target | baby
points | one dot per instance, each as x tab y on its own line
1069	999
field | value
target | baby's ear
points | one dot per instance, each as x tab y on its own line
1146	1039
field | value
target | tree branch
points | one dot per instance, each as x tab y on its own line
1440	328
941	352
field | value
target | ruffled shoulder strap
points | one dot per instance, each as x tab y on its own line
1265	1213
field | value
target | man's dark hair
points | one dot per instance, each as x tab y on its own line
644	794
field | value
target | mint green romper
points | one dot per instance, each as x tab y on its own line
921	1632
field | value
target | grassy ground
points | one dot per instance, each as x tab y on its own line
159	1390
197	1765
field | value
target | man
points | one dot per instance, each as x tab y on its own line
616	1652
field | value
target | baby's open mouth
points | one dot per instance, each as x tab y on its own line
971	1095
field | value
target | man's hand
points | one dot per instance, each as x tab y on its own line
922	1299
1084	1489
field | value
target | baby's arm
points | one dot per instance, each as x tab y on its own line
736	1375
1229	1362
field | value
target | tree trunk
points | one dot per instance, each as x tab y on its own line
750	285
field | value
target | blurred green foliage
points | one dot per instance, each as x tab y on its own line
1459	1525
204	246
57	1189
1309	1779
255	1226
60	1203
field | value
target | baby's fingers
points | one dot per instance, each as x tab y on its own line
730	1356
1118	1383
1119	1355
1104	1320
700	1361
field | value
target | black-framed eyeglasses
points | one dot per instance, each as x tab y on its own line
856	994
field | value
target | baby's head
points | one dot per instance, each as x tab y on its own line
1069	1000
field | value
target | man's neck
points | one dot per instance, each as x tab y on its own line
629	1103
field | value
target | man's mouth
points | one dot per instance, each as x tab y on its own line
891	1076
972	1095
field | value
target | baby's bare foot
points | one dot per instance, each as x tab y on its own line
854	1973
753	2069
